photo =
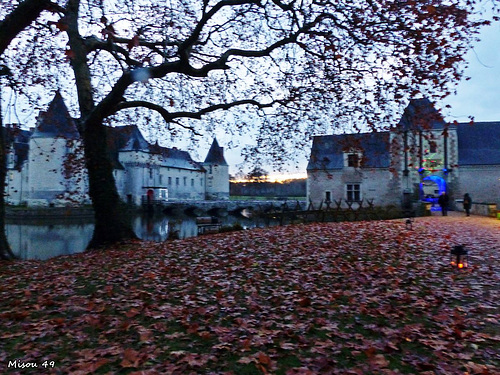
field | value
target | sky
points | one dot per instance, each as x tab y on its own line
478	97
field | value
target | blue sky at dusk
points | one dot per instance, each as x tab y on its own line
480	96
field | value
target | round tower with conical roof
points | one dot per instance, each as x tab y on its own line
56	171
217	175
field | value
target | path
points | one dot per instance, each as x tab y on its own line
472	226
479	234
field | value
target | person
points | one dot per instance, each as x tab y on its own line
443	201
467	203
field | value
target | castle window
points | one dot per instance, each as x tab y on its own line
328	196
177	181
170	180
192	182
164	194
353	160
185	181
353	192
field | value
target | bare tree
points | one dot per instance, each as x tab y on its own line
258	174
284	70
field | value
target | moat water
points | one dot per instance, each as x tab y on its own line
47	238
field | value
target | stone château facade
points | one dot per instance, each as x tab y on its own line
45	165
418	159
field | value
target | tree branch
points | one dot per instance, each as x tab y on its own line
112	46
21	17
93	43
169	116
4	70
185	47
155	107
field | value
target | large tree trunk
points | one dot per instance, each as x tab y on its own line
5	251
111	224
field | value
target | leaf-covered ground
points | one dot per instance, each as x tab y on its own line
339	298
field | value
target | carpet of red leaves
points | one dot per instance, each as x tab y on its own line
333	298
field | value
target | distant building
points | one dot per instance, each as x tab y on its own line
45	165
417	160
217	173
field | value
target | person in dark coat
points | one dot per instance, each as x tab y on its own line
467	203
443	201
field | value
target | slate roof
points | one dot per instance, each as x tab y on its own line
420	114
478	143
215	154
328	150
173	157
56	121
130	138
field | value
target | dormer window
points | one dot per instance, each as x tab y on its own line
352	159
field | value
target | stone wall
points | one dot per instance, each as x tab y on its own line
376	184
481	182
55	173
217	181
482	209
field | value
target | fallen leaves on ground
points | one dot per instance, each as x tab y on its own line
336	298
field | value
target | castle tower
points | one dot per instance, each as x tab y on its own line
56	173
217	176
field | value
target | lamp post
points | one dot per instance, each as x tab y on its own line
459	257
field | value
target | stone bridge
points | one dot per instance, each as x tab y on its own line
222	207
